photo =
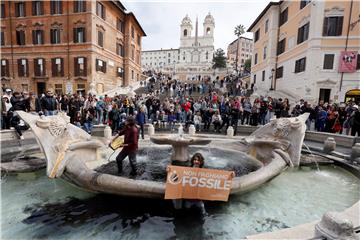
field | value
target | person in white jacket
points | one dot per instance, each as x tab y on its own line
197	121
216	120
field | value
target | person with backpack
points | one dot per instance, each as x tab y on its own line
100	108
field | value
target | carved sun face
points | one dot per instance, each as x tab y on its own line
281	128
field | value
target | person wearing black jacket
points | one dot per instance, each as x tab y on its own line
49	104
17	102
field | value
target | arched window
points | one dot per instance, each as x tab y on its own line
208	31
185	32
207	55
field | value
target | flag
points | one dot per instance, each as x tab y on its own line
348	60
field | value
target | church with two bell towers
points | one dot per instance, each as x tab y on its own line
193	59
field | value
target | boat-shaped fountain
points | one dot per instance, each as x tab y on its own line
256	159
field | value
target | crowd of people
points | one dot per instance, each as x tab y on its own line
167	102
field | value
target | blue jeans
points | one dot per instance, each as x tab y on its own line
50	113
88	127
100	116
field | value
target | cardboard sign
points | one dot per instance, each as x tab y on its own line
198	183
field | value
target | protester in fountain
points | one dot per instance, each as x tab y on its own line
130	145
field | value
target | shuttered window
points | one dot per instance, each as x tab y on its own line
100	65
57	67
39	67
80	66
56	7
5	68
79	6
333	26
37	8
23	67
300	65
79	35
20	37
38	37
20	10
328	61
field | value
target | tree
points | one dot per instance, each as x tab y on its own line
247	65
239	30
219	60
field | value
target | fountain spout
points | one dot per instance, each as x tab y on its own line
180	131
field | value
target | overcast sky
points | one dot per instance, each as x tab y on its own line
161	19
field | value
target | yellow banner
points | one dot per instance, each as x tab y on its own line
198	183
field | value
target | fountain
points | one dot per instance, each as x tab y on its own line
259	158
71	153
180	145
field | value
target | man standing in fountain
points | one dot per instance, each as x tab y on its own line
130	145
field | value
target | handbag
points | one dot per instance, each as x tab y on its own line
337	126
116	143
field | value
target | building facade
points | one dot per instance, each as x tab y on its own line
194	56
241	50
69	46
299	50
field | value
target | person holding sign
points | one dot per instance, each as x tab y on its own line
196	183
130	145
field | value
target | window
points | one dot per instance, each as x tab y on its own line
264	52
303	3
100	66
255	58
279	72
132	74
120	72
132	52
100	40
185	32
254	78
55	36
358	62
132	32
137	56
300	65
58	89
37	8
266	25
207	55
263	76
20	9
57	67
332	26
79	35
257	35
138	39
100	10
120	25
119	49
20	37
303	33
79	66
2	39
281	46
55	7
38	37
208	31
2	10
283	17
5	68
79	6
328	61
23	67
39	67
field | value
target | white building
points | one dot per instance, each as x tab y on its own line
194	56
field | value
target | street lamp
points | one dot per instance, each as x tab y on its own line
272	79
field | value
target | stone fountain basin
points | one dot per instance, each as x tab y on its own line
176	140
105	181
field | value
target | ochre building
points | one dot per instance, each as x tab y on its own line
69	46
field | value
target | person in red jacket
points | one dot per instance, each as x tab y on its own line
130	145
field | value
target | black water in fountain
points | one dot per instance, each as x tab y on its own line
152	162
